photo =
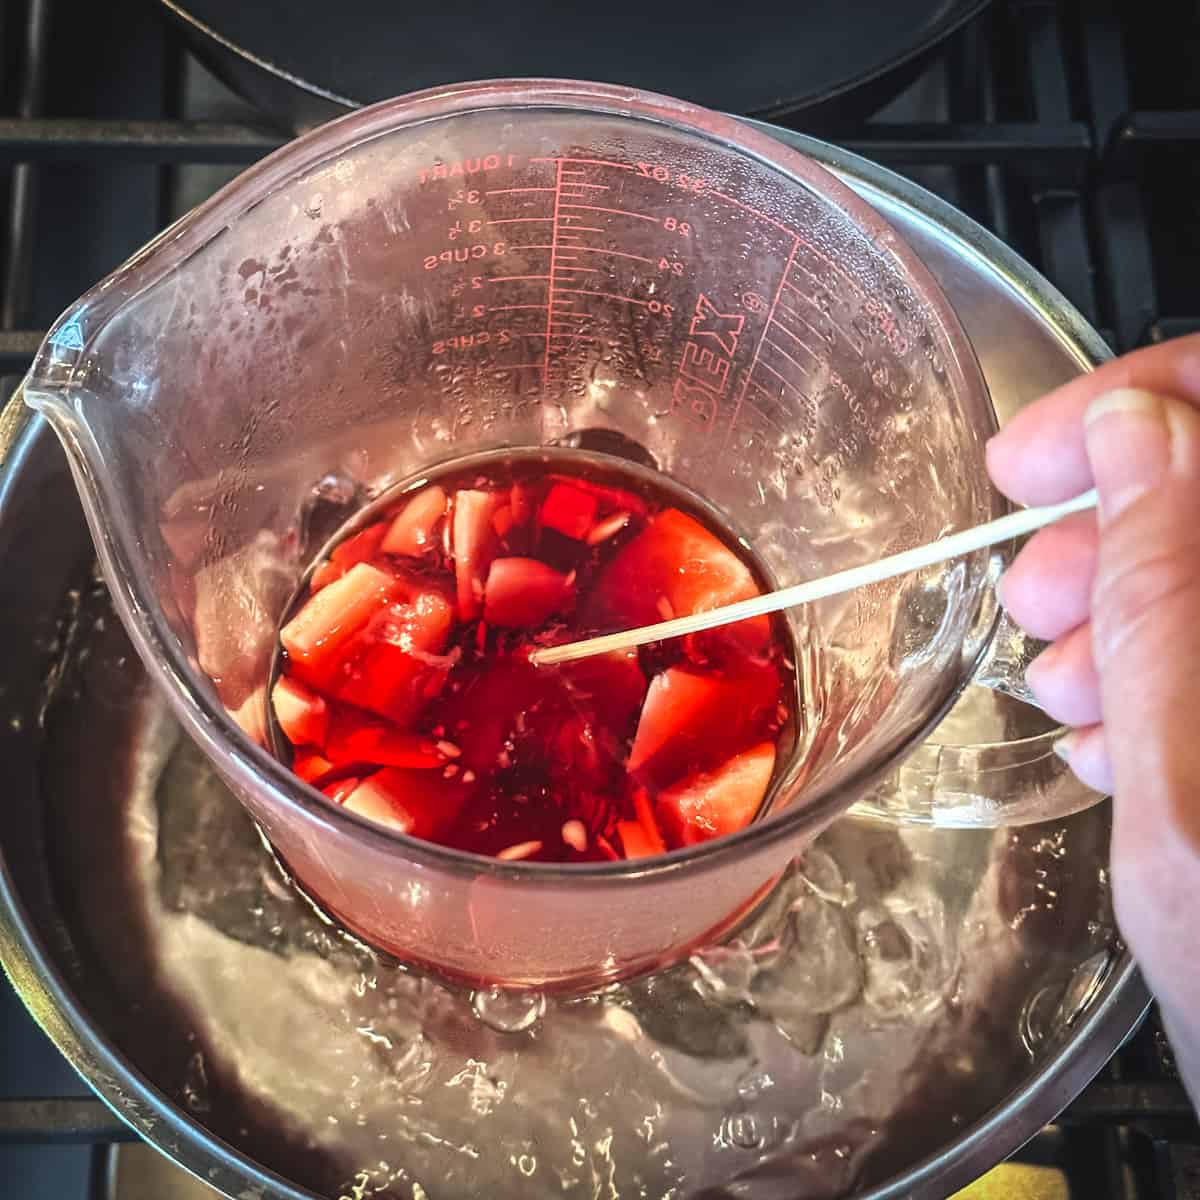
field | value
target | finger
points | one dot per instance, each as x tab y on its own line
1145	452
1145	456
1039	457
1086	753
1048	588
1064	680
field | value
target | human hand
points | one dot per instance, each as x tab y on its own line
1118	595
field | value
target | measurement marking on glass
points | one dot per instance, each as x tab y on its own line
767	394
620	212
784	354
821	283
795	316
620	166
790	332
554	235
606	296
596	162
791	312
795	338
810	301
792	234
787	383
751	209
762	337
614	253
817	355
614	332
572	190
853	338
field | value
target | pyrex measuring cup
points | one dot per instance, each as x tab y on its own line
515	264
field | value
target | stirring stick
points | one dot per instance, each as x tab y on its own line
1000	530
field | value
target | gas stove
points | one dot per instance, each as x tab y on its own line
1063	128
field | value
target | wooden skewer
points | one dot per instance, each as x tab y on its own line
956	544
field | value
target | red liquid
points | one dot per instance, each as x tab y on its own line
406	694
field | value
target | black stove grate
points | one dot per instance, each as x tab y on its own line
1062	127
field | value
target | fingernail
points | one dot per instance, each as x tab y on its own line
1128	444
1040	669
1036	668
1063	747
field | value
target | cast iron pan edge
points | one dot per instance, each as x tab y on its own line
284	62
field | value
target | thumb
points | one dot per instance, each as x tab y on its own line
1144	451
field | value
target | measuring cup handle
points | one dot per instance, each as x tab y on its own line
1003	665
989	784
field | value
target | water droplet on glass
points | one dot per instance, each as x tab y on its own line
743	1131
336	489
753	1084
1037	1018
195	1084
507	1011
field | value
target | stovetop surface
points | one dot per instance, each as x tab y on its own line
1069	130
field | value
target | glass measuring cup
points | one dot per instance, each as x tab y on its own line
516	264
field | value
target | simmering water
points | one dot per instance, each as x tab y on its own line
893	988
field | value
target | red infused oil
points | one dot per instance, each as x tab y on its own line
404	690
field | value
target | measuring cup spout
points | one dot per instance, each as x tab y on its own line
67	387
54	404
197	571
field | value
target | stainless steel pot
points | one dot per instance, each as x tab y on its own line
148	933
